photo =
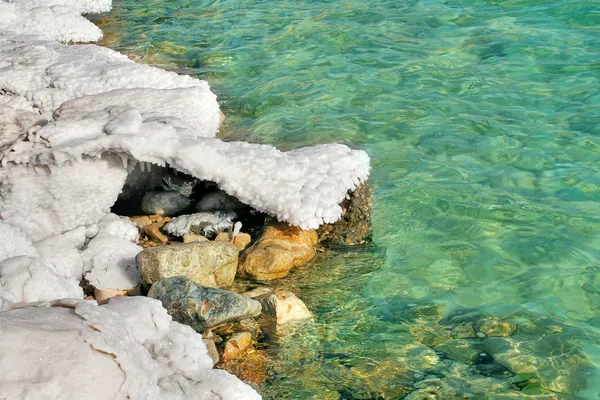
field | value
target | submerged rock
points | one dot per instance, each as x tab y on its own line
354	227
280	248
206	263
285	308
236	345
202	307
164	203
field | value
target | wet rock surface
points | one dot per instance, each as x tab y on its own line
285	308
202	307
280	248
354	227
206	263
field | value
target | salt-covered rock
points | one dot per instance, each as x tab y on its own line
109	262
44	201
202	307
280	248
164	203
128	348
285	308
206	263
26	279
14	242
205	223
112	224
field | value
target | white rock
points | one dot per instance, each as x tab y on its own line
109	262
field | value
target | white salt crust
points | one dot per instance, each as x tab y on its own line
127	349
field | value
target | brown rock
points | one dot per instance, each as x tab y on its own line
241	240
141	221
251	368
354	227
103	295
153	231
236	345
280	248
191	237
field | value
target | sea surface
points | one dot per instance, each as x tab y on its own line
482	120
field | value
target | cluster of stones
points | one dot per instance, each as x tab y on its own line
219	285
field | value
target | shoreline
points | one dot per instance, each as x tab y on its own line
84	126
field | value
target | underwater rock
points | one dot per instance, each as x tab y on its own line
285	308
280	248
496	328
164	203
206	263
202	307
463	350
354	227
463	331
236	345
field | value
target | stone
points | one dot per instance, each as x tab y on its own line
241	240
250	325
280	248
251	368
256	292
206	263
463	331
497	328
463	350
154	233
193	238
284	307
236	345
141	221
211	348
164	203
102	295
202	307
354	227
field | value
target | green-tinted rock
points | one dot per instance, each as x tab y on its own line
206	263
497	328
462	350
202	307
463	331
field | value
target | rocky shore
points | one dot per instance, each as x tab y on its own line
126	225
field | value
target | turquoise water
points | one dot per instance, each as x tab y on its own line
482	120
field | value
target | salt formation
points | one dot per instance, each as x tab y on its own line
79	124
204	223
129	348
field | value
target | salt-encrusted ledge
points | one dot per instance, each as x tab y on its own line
96	102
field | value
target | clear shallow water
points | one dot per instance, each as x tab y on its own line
482	120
